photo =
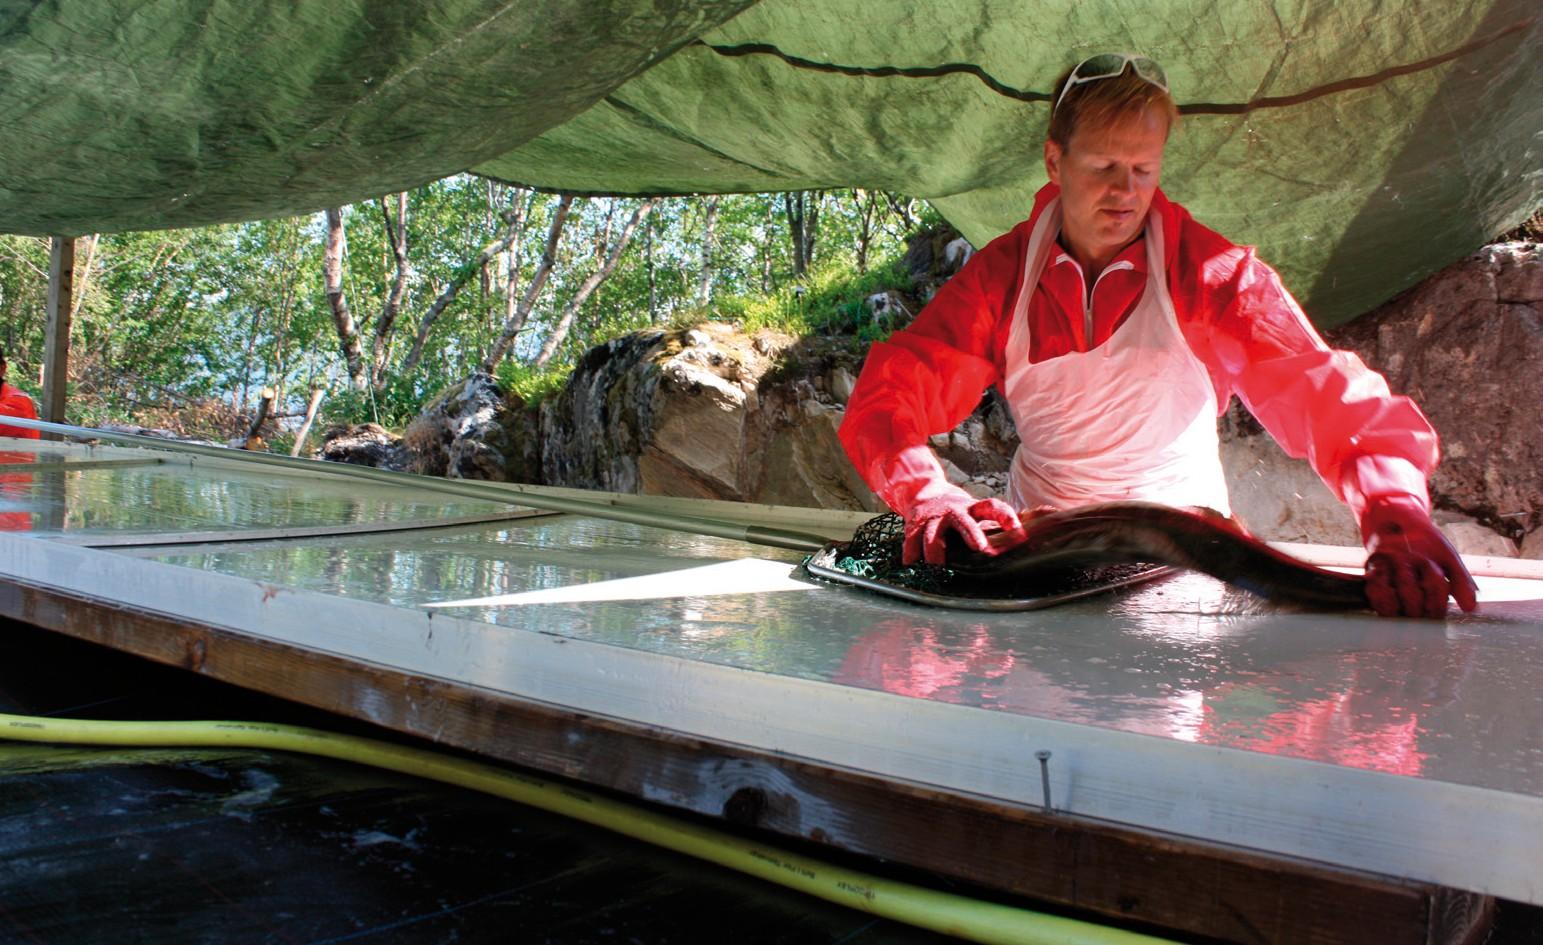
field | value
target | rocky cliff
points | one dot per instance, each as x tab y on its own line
711	412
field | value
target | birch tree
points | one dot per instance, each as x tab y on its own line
396	238
507	241
332	276
570	311
704	291
515	322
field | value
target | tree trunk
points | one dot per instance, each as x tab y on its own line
867	218
84	282
332	277
396	236
249	359
793	207
286	315
516	321
588	286
803	212
514	228
812	224
766	249
704	289
254	440
653	286
517	257
310	417
902	209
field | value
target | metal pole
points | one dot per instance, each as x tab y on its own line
56	340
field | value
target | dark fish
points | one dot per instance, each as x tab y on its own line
1128	532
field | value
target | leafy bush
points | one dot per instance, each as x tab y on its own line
393	406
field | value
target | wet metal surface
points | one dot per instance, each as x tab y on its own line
1184	658
179	496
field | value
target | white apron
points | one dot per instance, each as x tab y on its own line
1134	418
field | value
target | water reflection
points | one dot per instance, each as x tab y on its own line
176	497
14	490
1346	689
1185	658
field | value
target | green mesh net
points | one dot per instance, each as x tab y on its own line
874	553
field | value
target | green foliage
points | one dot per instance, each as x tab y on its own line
531	384
196	322
831	301
393	406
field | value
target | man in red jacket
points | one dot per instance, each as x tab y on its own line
1118	327
15	403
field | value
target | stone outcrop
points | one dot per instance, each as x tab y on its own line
1467	345
475	430
931	257
364	444
706	412
1274	496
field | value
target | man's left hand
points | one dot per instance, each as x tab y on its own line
1411	568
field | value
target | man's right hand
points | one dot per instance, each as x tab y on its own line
929	522
912	482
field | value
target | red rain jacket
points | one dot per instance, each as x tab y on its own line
15	403
1242	324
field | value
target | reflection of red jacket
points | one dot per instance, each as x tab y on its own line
1239	320
15	487
15	403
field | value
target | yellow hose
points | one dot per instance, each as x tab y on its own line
960	916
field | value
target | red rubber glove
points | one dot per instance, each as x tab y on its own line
913	484
1411	568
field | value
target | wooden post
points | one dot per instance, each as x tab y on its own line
56	341
253	439
310	417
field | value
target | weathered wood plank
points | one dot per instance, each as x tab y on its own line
56	337
1118	872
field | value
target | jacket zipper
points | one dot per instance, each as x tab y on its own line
1087	309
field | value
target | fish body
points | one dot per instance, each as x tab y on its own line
1129	532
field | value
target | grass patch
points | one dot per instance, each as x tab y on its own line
531	384
828	301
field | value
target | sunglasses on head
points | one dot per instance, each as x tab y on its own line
1109	65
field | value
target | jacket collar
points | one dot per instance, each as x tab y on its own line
1160	205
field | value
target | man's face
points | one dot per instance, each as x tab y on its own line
1107	177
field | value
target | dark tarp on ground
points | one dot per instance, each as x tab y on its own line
1360	144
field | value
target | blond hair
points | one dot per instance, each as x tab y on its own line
1103	103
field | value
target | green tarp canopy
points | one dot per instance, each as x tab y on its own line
1361	144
